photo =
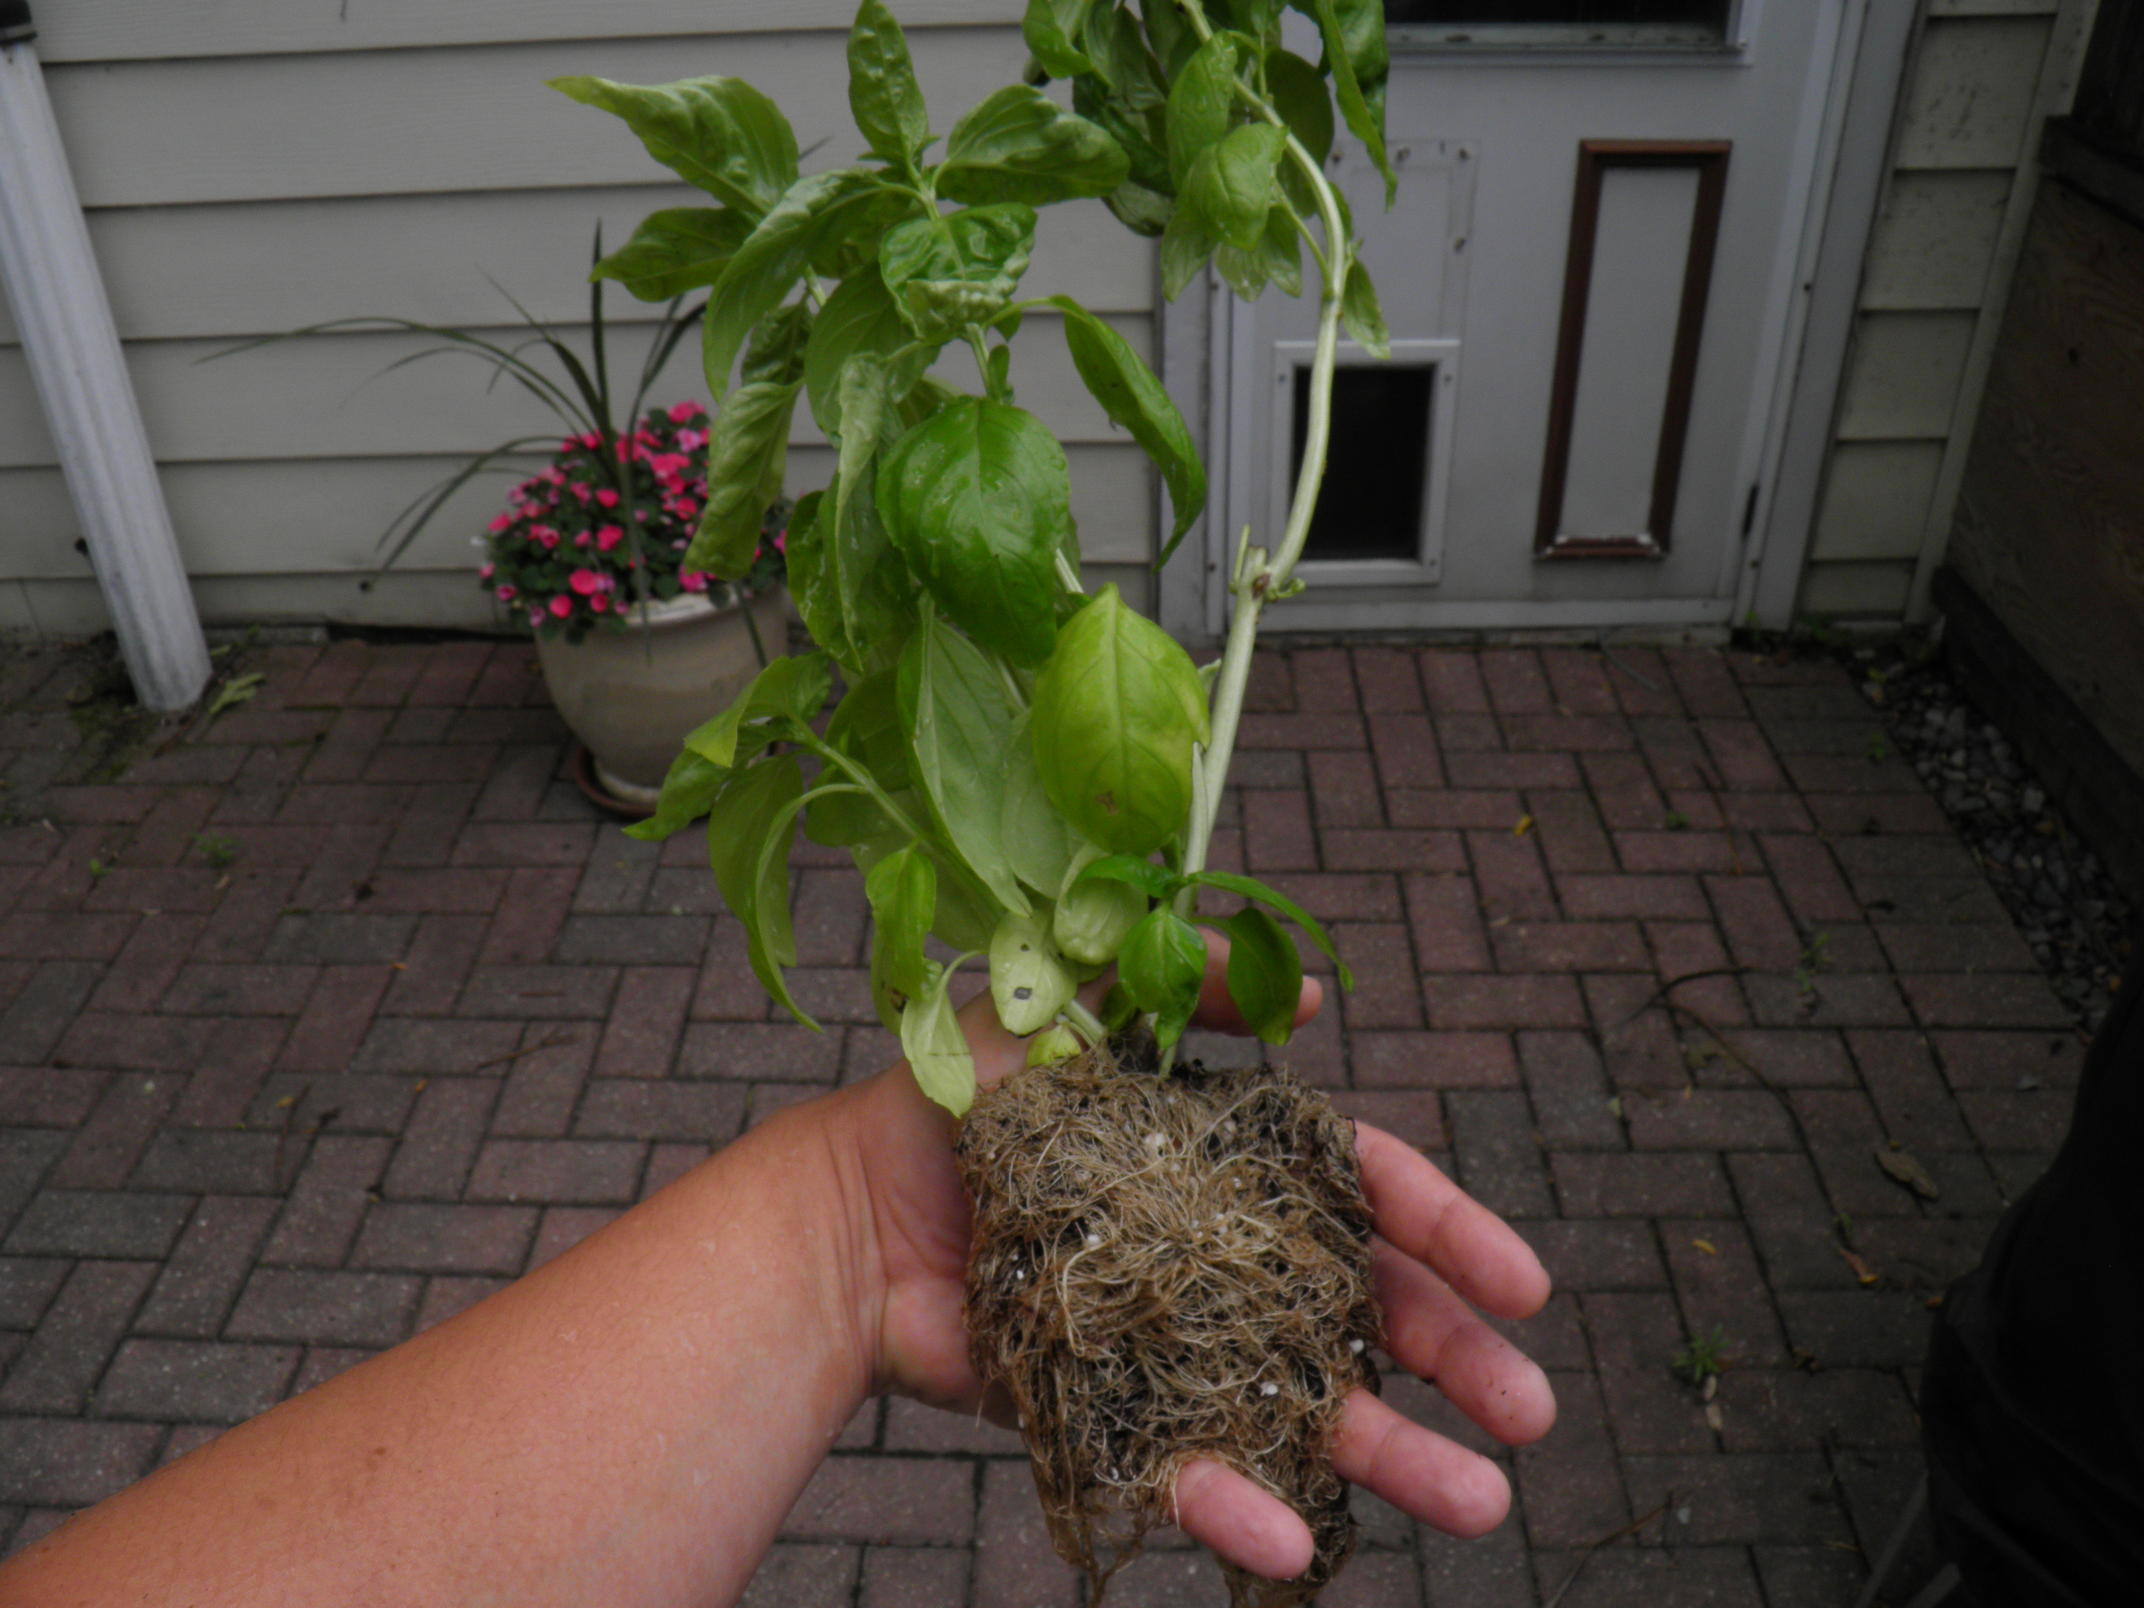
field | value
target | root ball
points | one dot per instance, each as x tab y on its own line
1166	1268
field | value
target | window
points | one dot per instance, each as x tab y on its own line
1709	15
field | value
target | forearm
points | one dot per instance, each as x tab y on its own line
627	1425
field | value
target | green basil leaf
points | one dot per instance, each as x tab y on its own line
1300	94
1029	981
1260	19
1202	102
1143	211
1232	185
948	271
718	133
858	320
883	95
813	586
1243	271
936	1048
1132	396
676	250
749	831
1280	251
1051	28
1117	711
1174	40
1359	311
1034	835
959	718
1155	881
877	590
1123	65
811	214
1252	888
1355	55
1162	964
903	892
978	500
1140	136
688	792
1186	242
866	729
1019	145
747	455
1265	974
786	689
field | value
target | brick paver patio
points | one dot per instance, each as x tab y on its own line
328	1020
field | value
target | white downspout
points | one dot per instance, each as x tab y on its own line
72	345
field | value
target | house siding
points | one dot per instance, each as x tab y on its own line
253	166
1982	78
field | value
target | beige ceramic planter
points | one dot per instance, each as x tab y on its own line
631	697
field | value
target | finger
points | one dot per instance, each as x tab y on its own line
1247	1526
1437	1480
1433	1220
1218	1010
1436	1336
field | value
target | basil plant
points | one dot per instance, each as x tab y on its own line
1024	770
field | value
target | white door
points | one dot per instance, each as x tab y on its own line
1590	277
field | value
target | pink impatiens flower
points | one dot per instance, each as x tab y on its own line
607	497
607	537
507	594
487	572
666	464
585	582
599	603
692	580
500	522
685	410
562	606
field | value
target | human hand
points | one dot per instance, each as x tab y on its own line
1436	1256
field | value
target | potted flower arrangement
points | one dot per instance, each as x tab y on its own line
636	645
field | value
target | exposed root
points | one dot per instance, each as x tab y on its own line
1167	1268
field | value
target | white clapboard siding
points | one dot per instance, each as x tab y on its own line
1934	241
1903	377
256	128
329	394
1875	502
1863	591
1984	76
132	30
232	270
448	601
1971	94
252	518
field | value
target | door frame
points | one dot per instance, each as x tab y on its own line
1860	96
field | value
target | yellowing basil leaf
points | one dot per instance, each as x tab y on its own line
1117	711
1029	981
936	1048
903	892
959	719
1034	834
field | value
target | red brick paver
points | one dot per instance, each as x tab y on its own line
320	1024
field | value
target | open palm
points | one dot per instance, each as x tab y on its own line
1437	1255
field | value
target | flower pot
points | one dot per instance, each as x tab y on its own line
632	697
